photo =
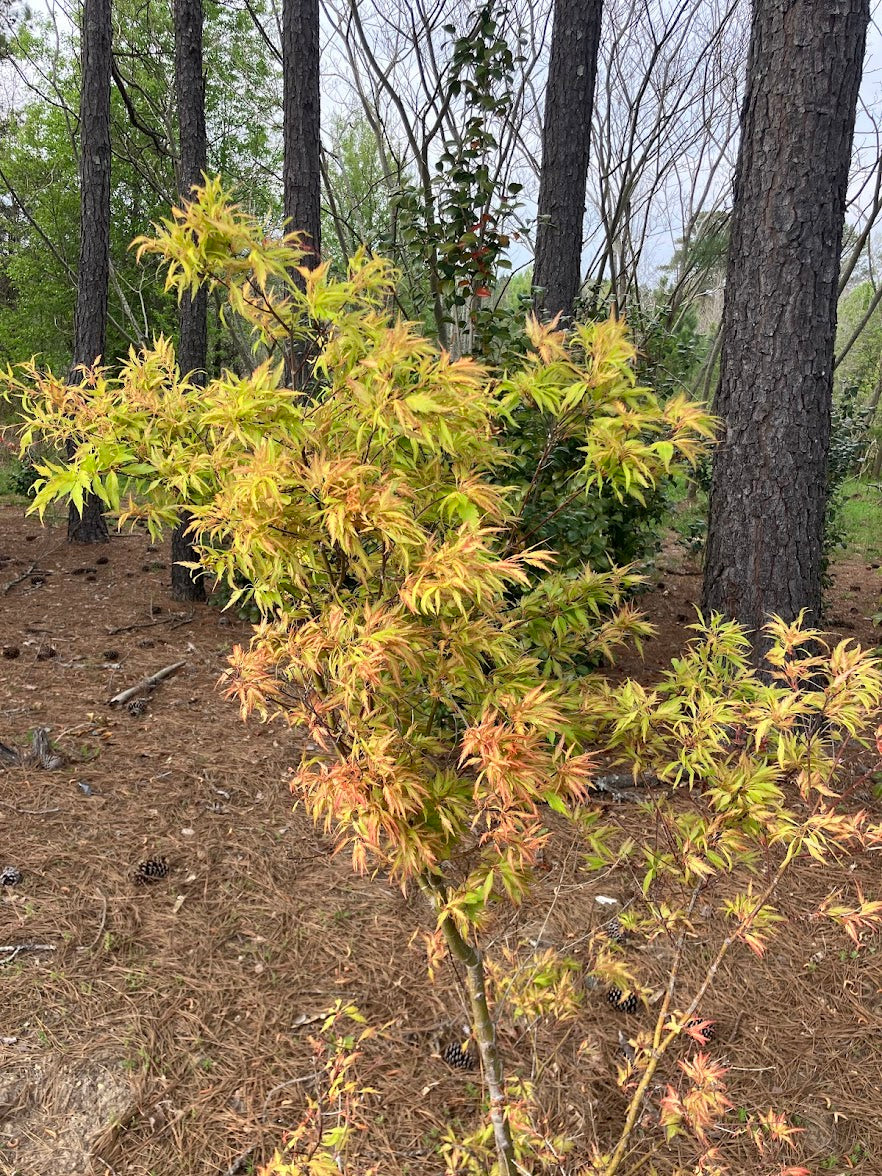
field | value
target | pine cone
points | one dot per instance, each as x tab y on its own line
615	931
709	1032
461	1059
10	876
624	1004
137	707
151	871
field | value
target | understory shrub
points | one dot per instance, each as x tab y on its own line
430	647
848	435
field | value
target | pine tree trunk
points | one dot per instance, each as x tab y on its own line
193	345
301	113
93	274
301	171
768	496
566	142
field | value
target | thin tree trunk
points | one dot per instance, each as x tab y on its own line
566	141
301	171
193	346
484	1028
93	273
768	497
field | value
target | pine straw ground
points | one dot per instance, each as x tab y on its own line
166	1032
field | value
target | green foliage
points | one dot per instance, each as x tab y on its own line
336	1109
848	433
605	528
861	515
746	768
17	475
458	221
702	251
374	528
357	192
859	370
670	354
39	211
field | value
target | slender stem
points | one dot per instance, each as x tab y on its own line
471	960
660	1049
566	502
540	464
430	722
675	970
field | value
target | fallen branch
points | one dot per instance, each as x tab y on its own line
175	620
33	568
18	579
617	785
30	812
17	948
146	683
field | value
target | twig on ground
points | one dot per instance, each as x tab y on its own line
283	1086
33	568
175	621
240	1161
18	579
17	948
80	729
617	784
146	683
30	812
101	923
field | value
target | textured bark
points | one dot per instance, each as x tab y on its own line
566	141
768	496
90	317
193	162
301	170
301	112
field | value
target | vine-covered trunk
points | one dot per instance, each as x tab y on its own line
93	272
768	497
566	140
193	162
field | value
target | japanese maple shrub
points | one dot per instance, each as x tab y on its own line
408	622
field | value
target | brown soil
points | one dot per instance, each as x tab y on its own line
166	1032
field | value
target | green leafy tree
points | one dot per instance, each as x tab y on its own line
357	211
461	226
39	207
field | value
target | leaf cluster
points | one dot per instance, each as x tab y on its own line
409	621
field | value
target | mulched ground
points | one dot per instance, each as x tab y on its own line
166	1032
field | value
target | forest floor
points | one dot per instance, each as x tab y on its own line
163	1029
